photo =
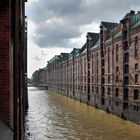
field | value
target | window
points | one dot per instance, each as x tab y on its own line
117	69
136	94
103	80
109	79
103	91
108	91
97	90
116	103
136	47
102	101
108	60
97	79
92	64
92	79
136	78
117	78
85	88
103	62
84	79
136	66
135	107
117	52
97	63
92	88
84	66
103	71
117	92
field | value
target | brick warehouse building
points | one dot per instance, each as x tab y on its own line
13	68
105	71
39	77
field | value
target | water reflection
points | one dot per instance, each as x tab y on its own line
55	117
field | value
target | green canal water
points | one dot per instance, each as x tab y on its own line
55	117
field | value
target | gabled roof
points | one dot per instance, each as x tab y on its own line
126	16
74	52
64	55
94	37
136	25
135	20
97	44
117	35
108	25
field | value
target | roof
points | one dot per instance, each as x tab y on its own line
108	25
136	25
94	37
56	57
97	44
74	52
64	55
117	35
83	48
135	20
126	16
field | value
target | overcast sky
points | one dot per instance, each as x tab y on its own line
56	26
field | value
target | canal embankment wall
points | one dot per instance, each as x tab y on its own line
95	102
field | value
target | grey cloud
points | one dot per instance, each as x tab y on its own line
55	34
68	16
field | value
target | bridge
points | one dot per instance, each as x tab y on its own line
33	84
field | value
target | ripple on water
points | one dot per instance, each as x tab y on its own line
55	117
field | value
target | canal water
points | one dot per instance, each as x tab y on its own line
55	117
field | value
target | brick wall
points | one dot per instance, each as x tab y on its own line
5	64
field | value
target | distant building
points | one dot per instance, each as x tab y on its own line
39	77
105	72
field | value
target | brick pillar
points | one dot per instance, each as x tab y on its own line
6	95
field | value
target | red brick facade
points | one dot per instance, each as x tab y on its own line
105	72
5	61
12	76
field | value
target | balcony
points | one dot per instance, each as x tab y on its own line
126	58
126	69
